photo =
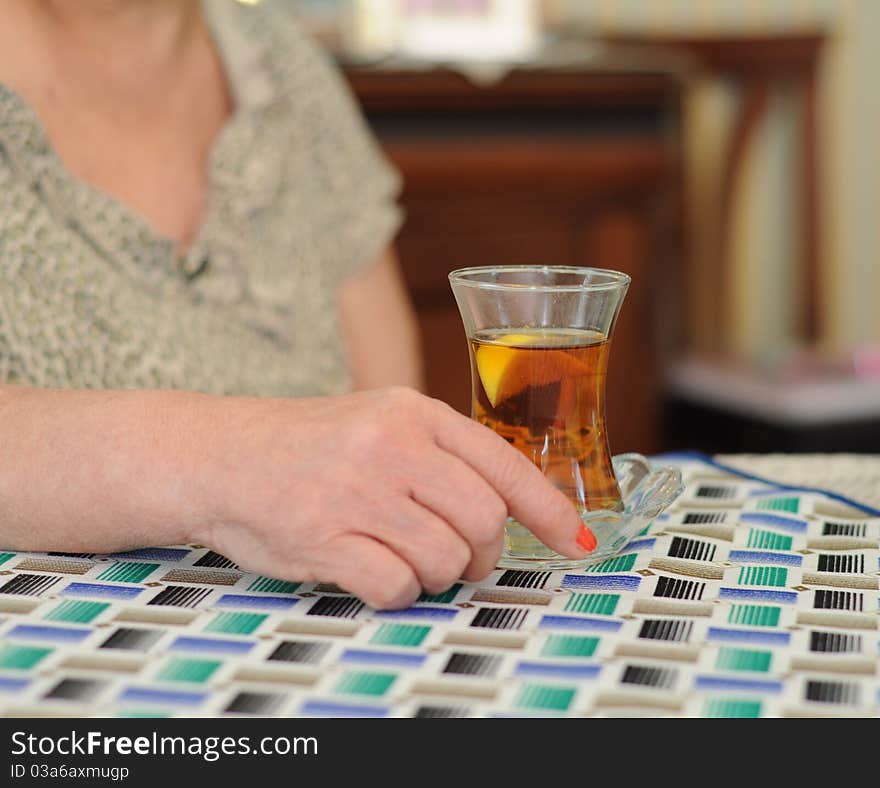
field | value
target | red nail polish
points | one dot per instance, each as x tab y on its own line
586	539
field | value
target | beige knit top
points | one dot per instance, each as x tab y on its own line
299	196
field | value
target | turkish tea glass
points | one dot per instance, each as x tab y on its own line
539	340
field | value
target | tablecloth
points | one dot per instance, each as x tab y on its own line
744	599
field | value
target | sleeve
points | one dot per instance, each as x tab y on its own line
358	185
14	209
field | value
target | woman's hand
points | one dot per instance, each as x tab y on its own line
383	492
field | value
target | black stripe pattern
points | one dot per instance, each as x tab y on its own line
179	596
844	529
518	578
216	561
302	651
842	563
667	630
441	712
336	607
648	676
131	639
679	588
840	692
472	664
834	642
510	618
701	518
255	703
838	600
692	549
717	492
27	584
76	689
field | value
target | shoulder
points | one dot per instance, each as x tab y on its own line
309	88
267	50
24	158
271	34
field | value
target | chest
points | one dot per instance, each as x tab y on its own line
141	136
152	161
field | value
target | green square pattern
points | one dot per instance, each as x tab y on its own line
788	504
776	576
620	563
543	696
732	707
272	586
743	659
570	646
768	540
236	623
194	670
365	683
77	611
400	635
597	604
445	598
128	572
754	615
15	657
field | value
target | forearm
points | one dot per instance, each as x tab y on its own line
382	492
100	471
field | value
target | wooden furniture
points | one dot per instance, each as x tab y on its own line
715	401
758	65
569	166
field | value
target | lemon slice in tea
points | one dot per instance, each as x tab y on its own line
510	364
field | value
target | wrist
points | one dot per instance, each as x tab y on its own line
238	450
169	468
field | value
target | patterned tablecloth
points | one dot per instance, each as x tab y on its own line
742	600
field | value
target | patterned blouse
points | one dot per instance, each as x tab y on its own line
299	196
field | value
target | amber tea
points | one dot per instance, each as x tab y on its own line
542	390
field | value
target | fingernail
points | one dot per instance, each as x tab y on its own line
586	539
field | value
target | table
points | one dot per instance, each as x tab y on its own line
744	599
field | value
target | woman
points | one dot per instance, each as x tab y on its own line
195	266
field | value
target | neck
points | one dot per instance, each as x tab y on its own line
96	20
130	40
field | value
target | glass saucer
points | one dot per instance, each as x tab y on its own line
646	488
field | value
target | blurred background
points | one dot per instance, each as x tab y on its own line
724	153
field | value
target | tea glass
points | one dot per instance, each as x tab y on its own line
539	340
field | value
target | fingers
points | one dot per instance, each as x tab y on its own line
485	560
372	572
456	493
530	498
436	552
